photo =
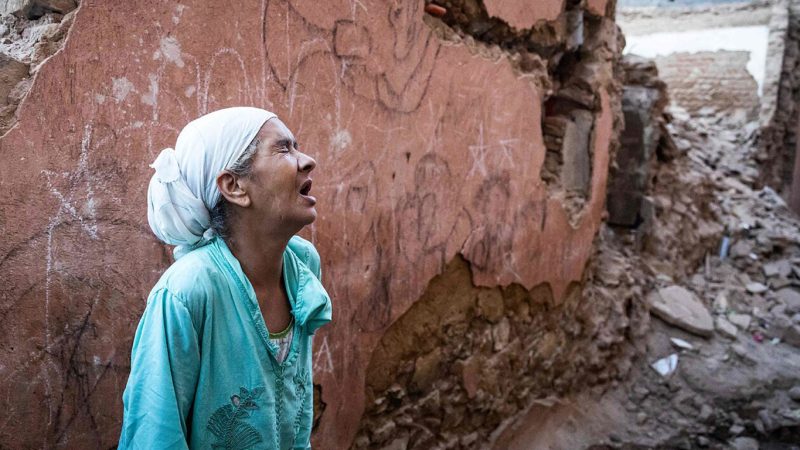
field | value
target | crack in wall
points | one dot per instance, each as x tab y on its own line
463	359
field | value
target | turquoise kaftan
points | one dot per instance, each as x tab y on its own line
203	370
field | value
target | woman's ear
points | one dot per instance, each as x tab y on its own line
233	191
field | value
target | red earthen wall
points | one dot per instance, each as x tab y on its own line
425	151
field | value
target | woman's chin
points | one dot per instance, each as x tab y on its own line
310	216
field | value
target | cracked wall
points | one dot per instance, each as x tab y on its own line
429	136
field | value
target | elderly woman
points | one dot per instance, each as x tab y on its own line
222	354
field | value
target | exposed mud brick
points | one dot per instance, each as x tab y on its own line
11	73
717	80
490	371
576	150
643	100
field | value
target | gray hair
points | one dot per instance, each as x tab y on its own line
243	167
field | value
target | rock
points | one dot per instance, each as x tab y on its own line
736	429
721	303
706	412
500	334
703	441
766	419
470	439
491	305
792	335
383	432
740	320
756	288
726	328
744	443
794	393
641	418
34	9
470	374
779	283
400	443
782	268
678	306
791	298
426	369
741	249
743	354
778	326
11	73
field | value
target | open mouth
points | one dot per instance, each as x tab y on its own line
305	188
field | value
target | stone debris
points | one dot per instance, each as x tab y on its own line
721	250
740	320
678	306
726	328
794	393
744	443
756	288
790	299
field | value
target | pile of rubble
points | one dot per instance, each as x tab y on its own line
715	256
722	366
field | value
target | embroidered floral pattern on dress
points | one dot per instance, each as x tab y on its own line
228	424
300	385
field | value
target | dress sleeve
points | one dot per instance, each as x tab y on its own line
165	365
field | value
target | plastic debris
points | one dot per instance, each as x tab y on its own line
666	366
724	247
680	343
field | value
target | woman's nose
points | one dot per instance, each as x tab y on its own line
305	163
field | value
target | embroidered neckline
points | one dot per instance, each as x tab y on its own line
295	300
282	334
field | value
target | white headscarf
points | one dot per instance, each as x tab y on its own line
184	190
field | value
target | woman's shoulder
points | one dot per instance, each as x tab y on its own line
193	278
307	253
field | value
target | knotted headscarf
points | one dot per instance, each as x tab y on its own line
183	191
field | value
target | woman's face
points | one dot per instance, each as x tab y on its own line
280	181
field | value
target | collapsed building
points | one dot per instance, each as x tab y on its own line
464	149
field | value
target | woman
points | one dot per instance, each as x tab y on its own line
222	354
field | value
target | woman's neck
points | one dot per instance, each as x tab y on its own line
260	254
